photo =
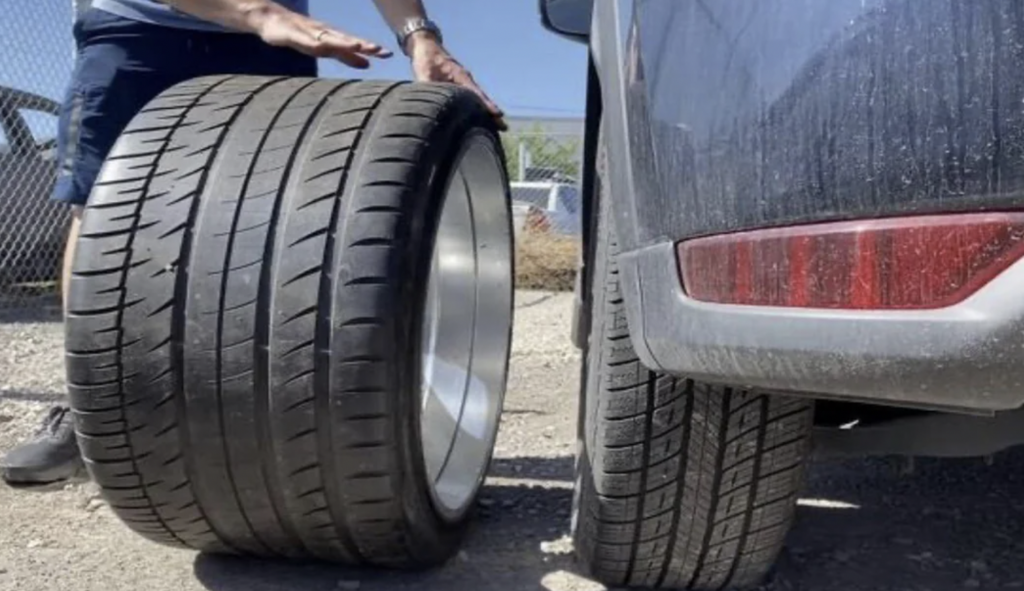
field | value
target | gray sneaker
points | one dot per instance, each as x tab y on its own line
51	456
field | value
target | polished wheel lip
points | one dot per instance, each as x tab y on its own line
466	328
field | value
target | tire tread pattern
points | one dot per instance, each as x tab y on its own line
230	351
681	484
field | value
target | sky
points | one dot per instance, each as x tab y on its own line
526	69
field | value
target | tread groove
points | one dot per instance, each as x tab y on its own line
268	468
119	321
755	482
716	483
782	417
302	275
769	450
178	322
673	531
324	334
652	380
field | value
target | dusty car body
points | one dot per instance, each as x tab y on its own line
818	201
725	117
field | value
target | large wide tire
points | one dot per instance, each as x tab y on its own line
679	484
249	323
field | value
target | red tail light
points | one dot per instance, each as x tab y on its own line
920	262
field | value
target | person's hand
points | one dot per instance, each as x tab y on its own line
431	62
285	28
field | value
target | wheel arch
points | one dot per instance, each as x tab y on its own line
607	127
589	192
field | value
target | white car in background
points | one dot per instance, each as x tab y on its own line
547	206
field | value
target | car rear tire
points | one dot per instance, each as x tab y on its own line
679	484
290	318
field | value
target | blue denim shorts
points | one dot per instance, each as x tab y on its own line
123	64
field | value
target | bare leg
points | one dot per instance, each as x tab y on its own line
69	253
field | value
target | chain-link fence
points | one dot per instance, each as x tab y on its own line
36	55
544	170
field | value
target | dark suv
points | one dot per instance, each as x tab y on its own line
803	227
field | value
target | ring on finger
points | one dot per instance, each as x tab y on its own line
320	35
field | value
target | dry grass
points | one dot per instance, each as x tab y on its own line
546	261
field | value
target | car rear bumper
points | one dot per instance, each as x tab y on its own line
968	357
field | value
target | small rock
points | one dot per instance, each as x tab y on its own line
1015	584
842	556
509	503
3	571
979	566
463	556
35	543
562	545
93	505
972	583
485	502
349	585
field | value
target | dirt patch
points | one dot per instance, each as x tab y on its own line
546	261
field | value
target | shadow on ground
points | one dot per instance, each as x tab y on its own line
558	469
503	551
863	525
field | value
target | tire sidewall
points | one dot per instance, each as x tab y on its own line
590	368
434	537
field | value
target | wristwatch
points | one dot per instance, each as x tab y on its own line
415	25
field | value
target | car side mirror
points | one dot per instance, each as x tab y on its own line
570	18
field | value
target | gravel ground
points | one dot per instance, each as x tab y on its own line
863	525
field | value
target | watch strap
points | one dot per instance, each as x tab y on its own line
415	25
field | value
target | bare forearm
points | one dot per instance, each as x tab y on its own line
240	15
281	27
431	61
397	12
